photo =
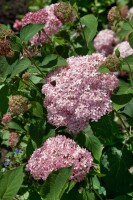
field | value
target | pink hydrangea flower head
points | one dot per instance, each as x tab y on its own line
7	118
59	152
17	25
124	49
77	93
45	16
13	139
104	42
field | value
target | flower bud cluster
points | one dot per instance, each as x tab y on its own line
59	152
5	43
18	104
65	12
7	118
13	139
77	93
112	63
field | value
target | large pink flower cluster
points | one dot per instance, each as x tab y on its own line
77	93
44	16
104	42
59	152
124	49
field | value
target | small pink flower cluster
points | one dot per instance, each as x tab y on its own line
77	93
7	118
59	152
17	25
124	49
44	16
13	139
104	42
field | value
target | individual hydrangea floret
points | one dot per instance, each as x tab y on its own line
59	152
77	93
105	41
13	139
18	104
7	118
124	49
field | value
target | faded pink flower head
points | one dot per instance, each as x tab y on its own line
13	139
104	42
77	93
124	49
17	25
7	118
59	152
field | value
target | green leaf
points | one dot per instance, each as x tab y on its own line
10	182
90	29
37	131
96	183
58	185
4	99
122	99
128	110
115	164
130	39
29	31
117	52
35	79
53	60
122	197
93	144
103	69
31	146
37	109
20	66
105	128
16	44
14	125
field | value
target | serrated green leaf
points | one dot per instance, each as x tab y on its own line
29	31
10	182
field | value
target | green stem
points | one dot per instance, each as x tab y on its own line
97	194
32	61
